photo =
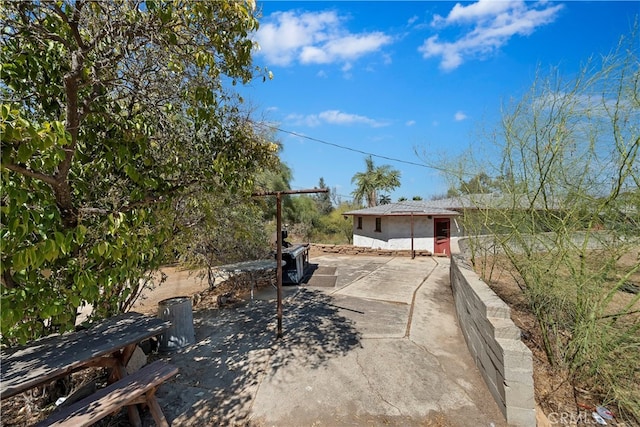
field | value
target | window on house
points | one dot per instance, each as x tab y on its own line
359	223
378	224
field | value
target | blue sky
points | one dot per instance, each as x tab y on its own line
394	78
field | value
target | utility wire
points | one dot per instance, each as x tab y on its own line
350	198
393	159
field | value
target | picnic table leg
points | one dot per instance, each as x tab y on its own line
154	408
127	352
134	415
122	357
118	372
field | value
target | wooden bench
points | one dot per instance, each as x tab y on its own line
133	389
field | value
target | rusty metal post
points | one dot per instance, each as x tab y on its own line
279	260
278	195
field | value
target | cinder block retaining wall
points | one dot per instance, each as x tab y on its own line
494	342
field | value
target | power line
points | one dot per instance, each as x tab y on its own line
352	199
393	159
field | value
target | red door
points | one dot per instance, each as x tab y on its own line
441	234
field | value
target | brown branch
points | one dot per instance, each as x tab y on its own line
73	23
92	211
42	34
7	280
616	315
28	172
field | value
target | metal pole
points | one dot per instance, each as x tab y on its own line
279	260
278	195
413	253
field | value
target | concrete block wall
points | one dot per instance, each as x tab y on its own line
494	342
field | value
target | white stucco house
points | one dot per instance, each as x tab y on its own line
434	225
412	225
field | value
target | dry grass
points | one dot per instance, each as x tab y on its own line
557	387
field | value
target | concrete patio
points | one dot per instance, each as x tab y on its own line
368	341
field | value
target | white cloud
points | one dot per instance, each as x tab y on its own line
313	38
459	116
491	24
302	120
483	9
410	122
333	117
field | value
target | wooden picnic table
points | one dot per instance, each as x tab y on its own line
110	344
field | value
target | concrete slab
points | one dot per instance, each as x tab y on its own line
382	347
364	383
372	318
395	282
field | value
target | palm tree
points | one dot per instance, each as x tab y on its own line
373	180
385	199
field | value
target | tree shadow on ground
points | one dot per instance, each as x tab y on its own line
237	348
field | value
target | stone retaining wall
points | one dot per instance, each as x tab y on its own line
357	250
494	342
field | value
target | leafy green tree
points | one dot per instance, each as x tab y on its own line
373	180
385	199
323	200
114	117
275	179
335	227
478	184
305	216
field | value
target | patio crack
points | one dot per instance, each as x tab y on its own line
372	388
407	333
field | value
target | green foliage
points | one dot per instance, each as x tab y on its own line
385	199
275	179
373	180
220	228
323	200
482	184
568	220
305	216
335	228
118	124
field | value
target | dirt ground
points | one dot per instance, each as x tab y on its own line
179	282
554	394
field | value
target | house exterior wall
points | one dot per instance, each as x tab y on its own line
396	232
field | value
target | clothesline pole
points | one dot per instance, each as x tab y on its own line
279	261
278	195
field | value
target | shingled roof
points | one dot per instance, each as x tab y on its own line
420	208
448	207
